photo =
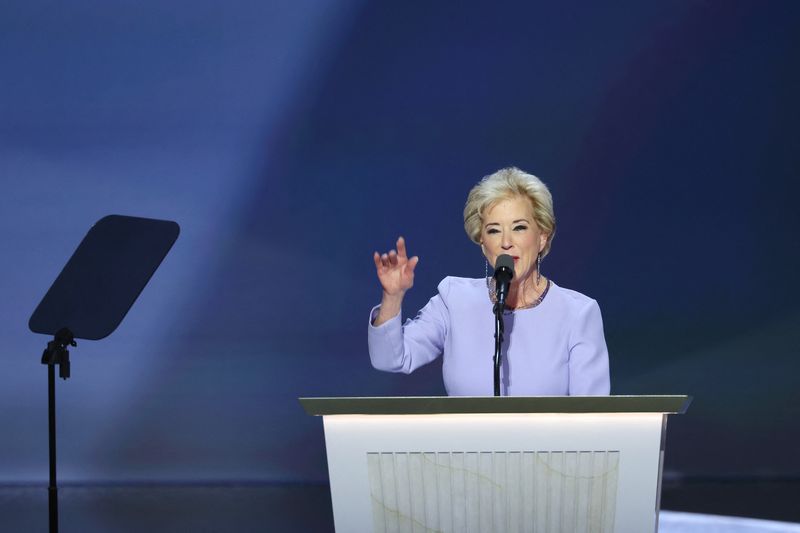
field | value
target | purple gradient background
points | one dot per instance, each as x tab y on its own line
291	139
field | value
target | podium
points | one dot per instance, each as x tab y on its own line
496	464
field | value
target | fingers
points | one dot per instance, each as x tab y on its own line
401	248
386	260
393	258
412	264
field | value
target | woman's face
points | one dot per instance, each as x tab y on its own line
508	227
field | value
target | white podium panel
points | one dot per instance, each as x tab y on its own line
494	473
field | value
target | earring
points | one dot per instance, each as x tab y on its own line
538	268
487	273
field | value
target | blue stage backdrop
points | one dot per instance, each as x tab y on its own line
290	139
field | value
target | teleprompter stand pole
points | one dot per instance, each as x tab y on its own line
56	353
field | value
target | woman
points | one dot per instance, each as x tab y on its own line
554	343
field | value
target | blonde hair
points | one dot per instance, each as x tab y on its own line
504	184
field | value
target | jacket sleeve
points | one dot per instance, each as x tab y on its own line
588	354
396	347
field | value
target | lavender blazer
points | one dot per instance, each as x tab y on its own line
555	348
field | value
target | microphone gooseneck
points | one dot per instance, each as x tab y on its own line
503	274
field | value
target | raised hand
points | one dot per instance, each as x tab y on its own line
395	270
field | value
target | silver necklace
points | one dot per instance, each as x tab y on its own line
491	286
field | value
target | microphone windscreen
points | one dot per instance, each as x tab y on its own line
505	261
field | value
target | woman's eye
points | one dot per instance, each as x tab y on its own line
492	231
520	228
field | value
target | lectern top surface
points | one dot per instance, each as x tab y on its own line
418	405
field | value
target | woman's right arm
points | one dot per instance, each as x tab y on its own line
395	347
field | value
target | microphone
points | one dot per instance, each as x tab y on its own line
503	274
